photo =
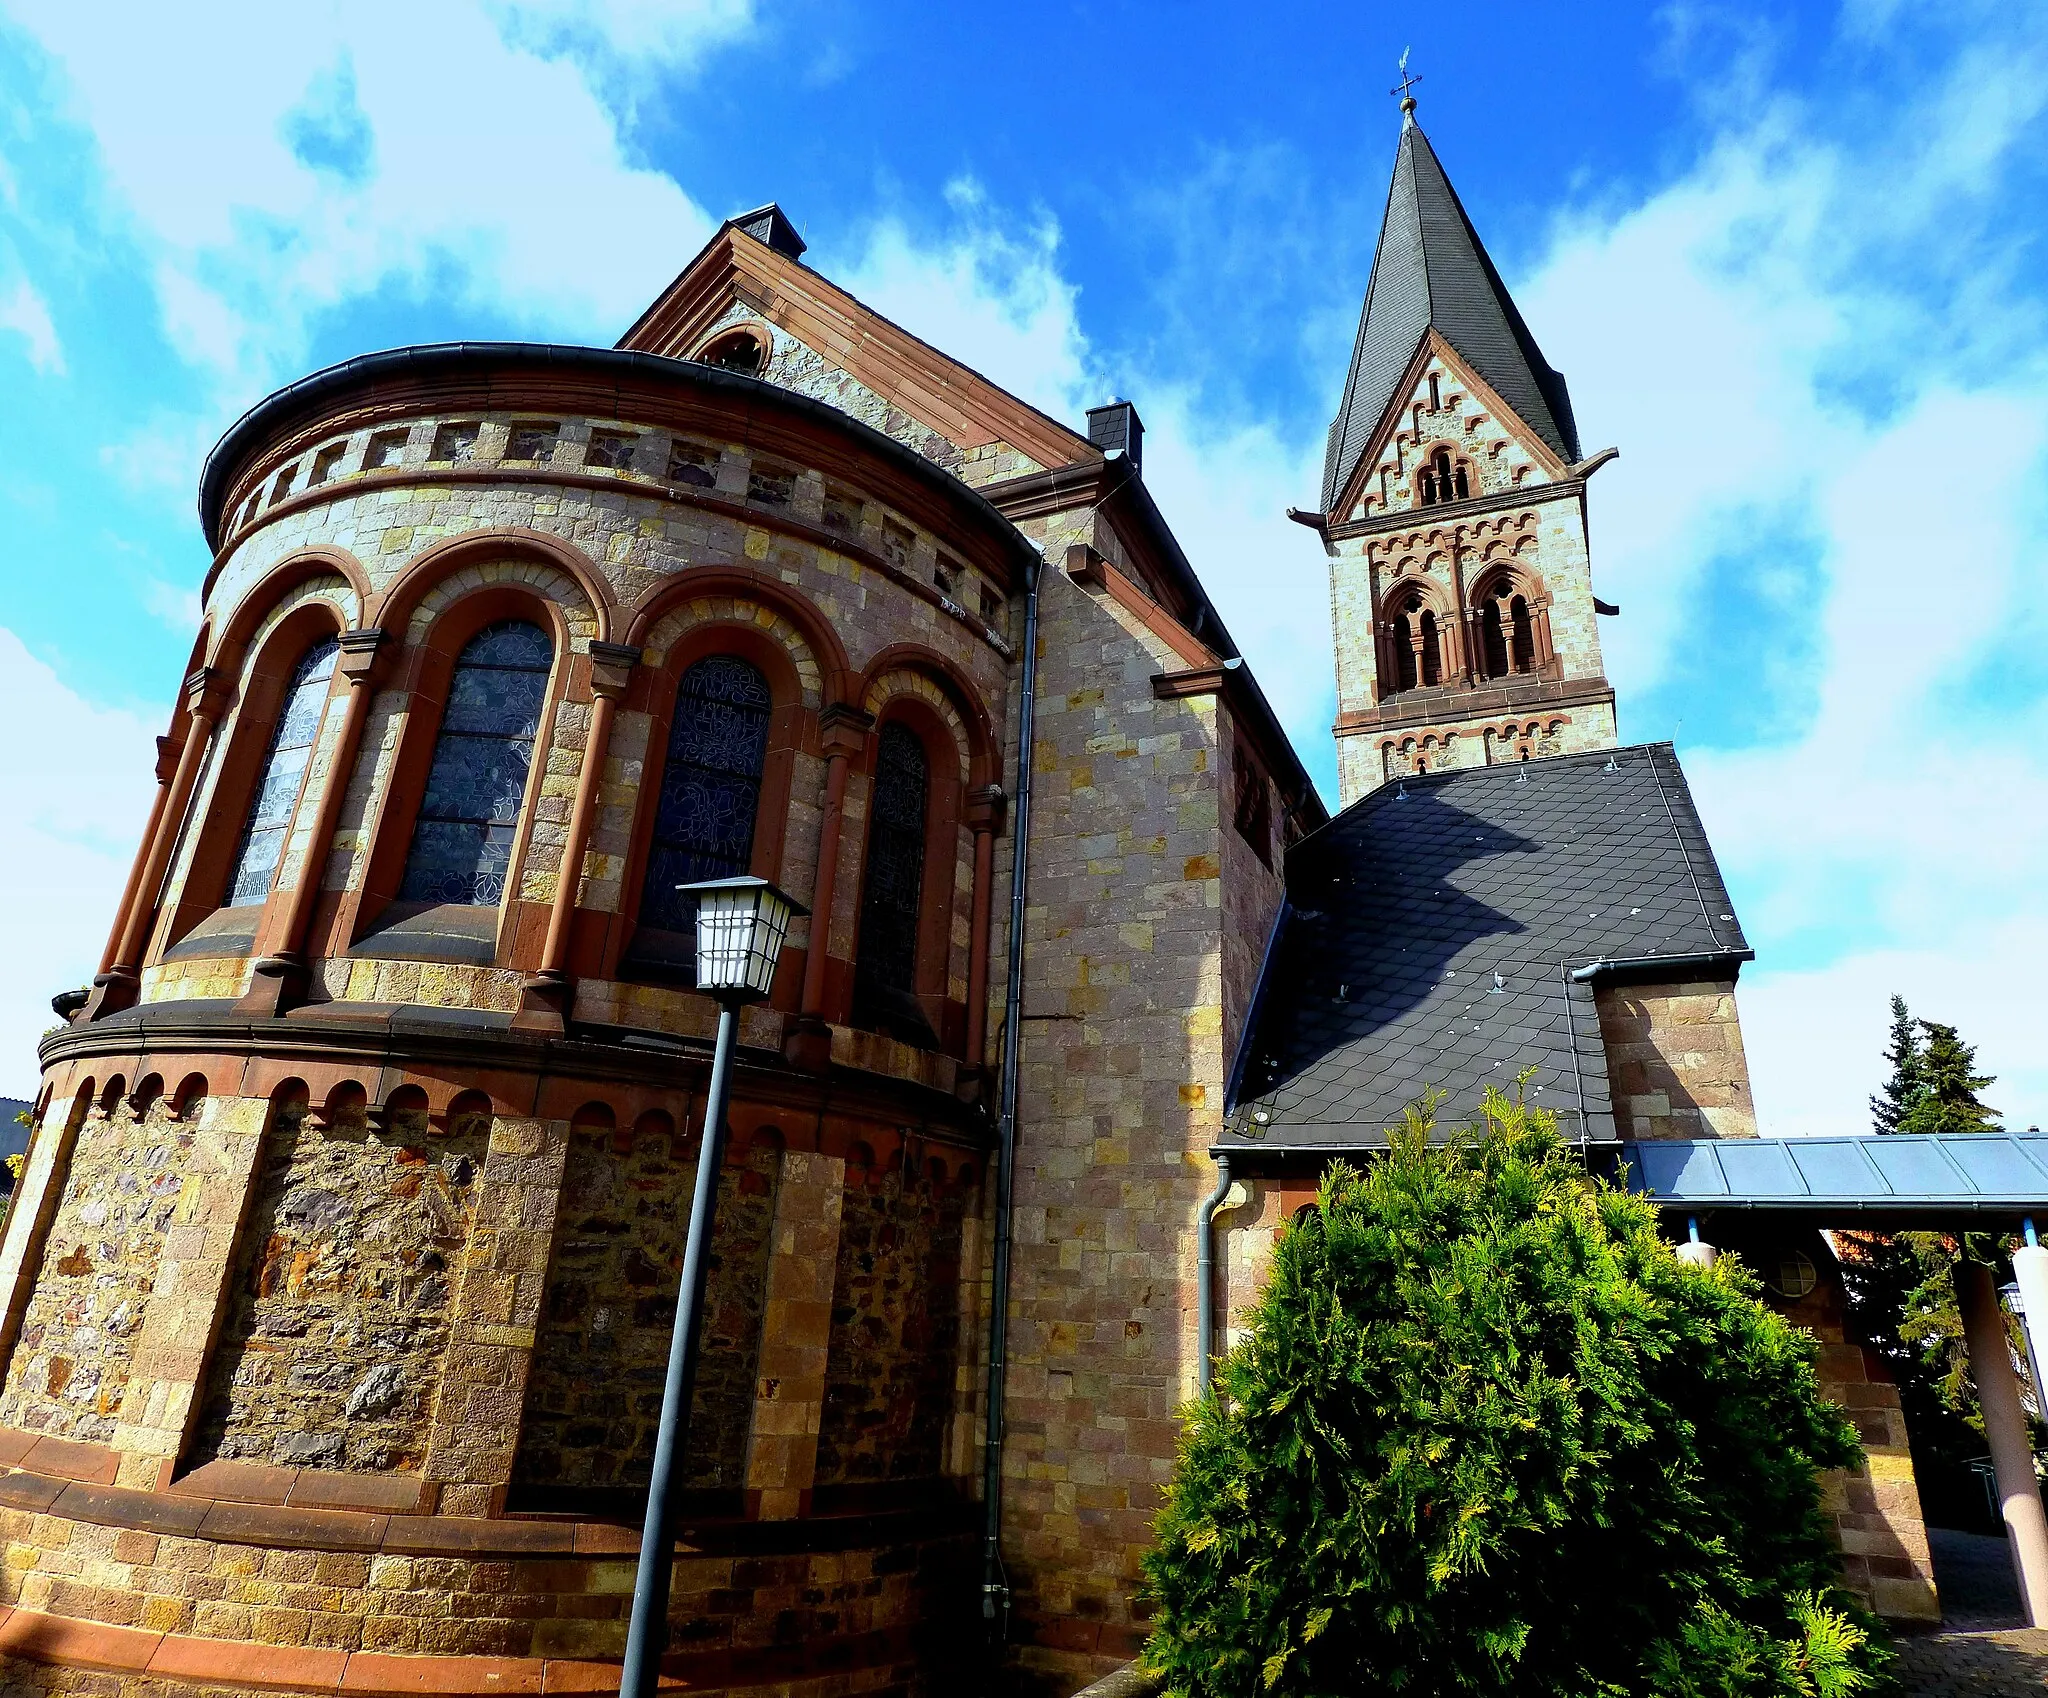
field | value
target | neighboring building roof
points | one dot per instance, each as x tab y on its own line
1381	980
1895	1179
1430	270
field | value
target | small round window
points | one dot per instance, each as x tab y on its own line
1792	1276
736	350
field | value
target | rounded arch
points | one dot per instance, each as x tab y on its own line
441	627
289	584
740	593
912	701
454	567
688	636
313	613
1417	628
743	346
912	669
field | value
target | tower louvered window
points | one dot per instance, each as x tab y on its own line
462	842
284	770
710	788
885	968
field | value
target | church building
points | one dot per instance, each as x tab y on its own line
336	1293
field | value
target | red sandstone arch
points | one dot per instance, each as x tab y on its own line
984	759
836	678
792	728
393	610
266	677
295	569
428	666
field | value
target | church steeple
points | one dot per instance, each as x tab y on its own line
1454	511
1431	272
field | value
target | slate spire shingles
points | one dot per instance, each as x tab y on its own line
1431	270
1431	933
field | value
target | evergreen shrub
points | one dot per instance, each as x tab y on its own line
1485	1433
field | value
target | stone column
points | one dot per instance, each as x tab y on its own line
796	1336
2005	1426
278	980
166	769
186	1301
117	987
492	1330
985	809
843	731
546	998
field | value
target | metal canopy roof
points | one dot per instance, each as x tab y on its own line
1924	1180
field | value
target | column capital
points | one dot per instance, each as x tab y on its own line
843	729
611	668
206	692
987	805
361	654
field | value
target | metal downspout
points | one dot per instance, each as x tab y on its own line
995	1590
1205	1265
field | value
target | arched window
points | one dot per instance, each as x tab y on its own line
284	769
737	350
1418	645
885	967
710	789
1521	636
1507	636
1444	479
462	842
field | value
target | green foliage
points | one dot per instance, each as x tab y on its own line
1901	1287
1946	1085
1487	1434
1902	1087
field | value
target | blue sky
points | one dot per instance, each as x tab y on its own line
1791	264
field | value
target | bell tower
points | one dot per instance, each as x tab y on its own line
1454	514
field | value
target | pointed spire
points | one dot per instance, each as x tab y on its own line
1431	271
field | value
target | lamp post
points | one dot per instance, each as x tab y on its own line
741	925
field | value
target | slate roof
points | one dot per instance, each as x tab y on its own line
1431	930
1431	269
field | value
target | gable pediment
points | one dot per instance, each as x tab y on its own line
831	346
1441	401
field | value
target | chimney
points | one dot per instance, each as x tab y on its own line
1117	429
767	224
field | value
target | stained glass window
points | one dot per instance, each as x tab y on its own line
462	843
885	968
710	788
284	766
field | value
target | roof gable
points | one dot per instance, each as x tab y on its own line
938	392
1472	418
1431	271
1431	934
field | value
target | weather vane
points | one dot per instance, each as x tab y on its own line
1407	82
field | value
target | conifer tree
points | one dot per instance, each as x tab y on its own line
1902	1089
1947	1083
1485	1433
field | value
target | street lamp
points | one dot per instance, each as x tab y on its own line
741	925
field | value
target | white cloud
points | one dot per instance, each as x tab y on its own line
177	605
991	297
77	800
273	174
25	314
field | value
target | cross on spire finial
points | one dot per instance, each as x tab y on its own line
1407	82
